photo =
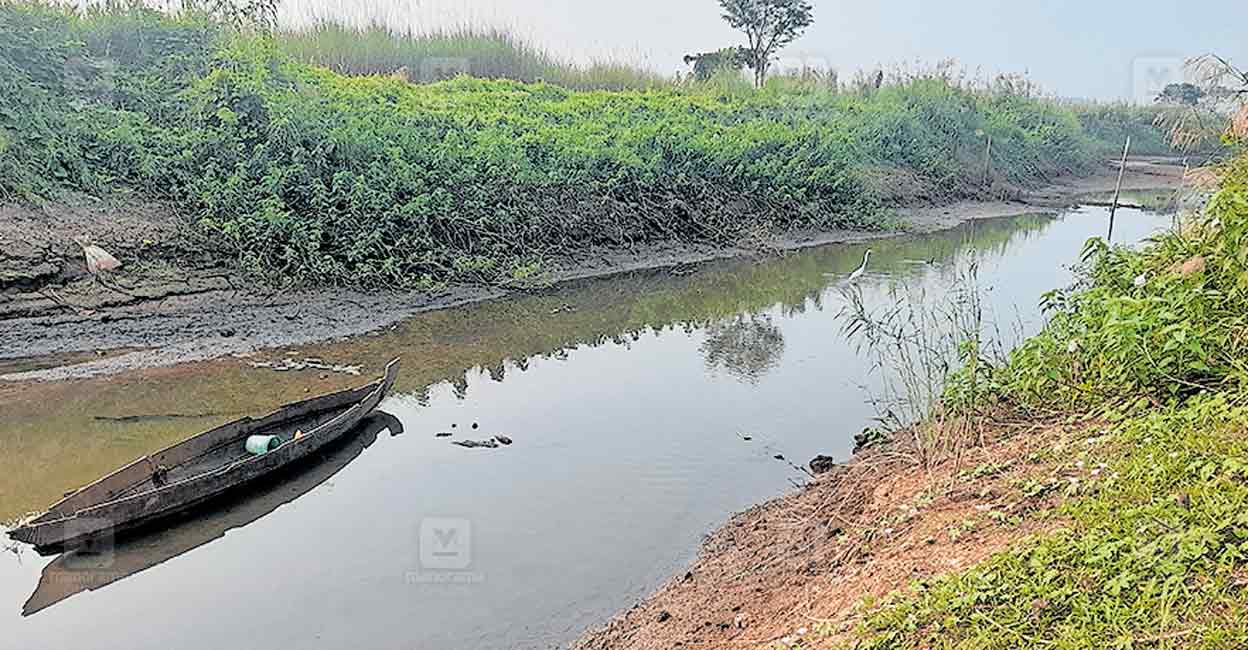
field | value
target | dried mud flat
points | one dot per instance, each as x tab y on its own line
173	302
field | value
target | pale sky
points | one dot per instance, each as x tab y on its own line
1089	48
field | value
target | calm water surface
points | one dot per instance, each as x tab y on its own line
627	399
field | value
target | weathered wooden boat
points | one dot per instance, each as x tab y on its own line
75	571
199	469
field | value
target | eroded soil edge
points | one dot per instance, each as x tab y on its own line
173	302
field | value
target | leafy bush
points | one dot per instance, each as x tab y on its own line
1165	322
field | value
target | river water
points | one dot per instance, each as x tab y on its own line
629	400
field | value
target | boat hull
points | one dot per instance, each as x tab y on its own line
97	524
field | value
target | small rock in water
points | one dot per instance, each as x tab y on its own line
475	425
779	456
503	440
823	464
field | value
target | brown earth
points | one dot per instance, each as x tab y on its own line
175	300
796	569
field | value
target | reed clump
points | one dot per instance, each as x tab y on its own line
488	53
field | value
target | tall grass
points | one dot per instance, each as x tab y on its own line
933	353
1111	123
434	56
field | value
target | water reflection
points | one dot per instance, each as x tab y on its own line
745	347
99	424
75	572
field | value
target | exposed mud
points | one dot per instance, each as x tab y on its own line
174	302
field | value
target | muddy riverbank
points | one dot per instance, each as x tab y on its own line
611	484
174	303
792	572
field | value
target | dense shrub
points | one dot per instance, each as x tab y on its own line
1166	322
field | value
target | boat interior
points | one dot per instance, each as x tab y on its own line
208	451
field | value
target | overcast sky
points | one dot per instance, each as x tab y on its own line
1087	48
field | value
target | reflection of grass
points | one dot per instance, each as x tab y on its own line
50	361
1151	200
746	347
50	441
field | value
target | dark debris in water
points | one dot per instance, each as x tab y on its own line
477	444
492	443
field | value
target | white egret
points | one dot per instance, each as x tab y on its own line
99	261
862	269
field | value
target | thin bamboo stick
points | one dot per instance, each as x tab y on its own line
1122	170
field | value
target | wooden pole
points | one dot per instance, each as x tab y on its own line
1122	170
988	162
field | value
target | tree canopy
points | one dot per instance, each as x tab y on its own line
769	25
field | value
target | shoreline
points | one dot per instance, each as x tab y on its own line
200	318
792	572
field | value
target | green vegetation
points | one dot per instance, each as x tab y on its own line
1146	355
1110	124
1163	324
310	176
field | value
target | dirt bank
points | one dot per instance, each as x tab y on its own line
173	302
792	572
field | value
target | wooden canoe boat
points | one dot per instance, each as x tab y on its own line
198	469
76	571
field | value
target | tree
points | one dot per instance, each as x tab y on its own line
1186	94
769	25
